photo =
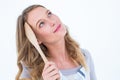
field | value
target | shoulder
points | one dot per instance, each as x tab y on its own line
25	71
90	63
86	53
87	56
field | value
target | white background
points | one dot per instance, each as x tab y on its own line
95	24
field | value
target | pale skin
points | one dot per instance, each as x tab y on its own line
50	31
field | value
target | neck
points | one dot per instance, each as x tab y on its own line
58	54
57	51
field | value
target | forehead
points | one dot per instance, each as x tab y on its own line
35	15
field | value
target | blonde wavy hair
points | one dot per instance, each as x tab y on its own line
29	56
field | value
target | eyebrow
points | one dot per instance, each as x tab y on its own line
40	19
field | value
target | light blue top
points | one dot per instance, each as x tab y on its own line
78	73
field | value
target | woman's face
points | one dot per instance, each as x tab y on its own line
46	25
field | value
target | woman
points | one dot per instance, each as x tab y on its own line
66	61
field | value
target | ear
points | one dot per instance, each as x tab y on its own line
39	42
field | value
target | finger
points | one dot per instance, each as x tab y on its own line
53	73
48	65
51	68
56	77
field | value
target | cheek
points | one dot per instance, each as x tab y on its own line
57	19
64	28
46	29
44	35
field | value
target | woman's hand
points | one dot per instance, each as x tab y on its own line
50	71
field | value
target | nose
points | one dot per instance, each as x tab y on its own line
51	22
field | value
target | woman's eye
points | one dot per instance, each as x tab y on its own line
41	24
49	14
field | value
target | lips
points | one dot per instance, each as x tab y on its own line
58	27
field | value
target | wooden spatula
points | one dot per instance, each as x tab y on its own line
32	38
